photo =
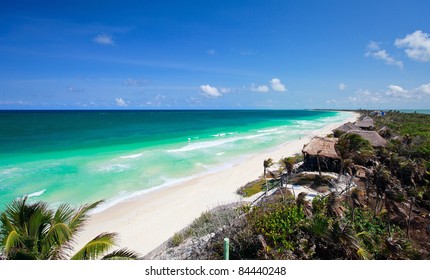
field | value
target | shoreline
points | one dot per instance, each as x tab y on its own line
144	222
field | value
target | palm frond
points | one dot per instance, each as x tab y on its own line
63	214
7	225
363	254
99	245
58	234
122	254
11	241
81	215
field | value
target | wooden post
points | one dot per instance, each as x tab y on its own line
226	248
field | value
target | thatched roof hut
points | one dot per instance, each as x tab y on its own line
366	123
321	146
346	127
320	154
373	137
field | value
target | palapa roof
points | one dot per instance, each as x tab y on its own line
365	123
322	146
373	137
347	127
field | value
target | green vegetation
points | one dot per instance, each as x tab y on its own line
252	188
413	131
327	229
36	232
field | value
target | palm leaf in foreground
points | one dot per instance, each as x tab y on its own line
121	254
96	247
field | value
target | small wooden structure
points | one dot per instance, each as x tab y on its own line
373	137
345	128
366	123
321	149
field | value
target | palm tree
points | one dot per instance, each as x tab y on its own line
266	164
353	147
288	163
36	232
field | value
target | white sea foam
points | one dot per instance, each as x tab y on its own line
268	130
9	171
39	193
168	182
202	145
117	167
219	135
210	144
132	156
221	153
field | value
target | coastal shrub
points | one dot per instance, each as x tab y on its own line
278	223
208	222
176	239
251	188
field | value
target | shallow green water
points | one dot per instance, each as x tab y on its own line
83	156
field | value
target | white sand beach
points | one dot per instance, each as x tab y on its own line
144	222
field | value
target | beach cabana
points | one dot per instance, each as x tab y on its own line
321	148
345	128
366	123
373	137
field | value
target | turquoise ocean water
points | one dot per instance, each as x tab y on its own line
411	111
83	156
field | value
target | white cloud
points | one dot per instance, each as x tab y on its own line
225	90
342	86
261	88
211	52
120	102
331	101
277	85
396	91
366	96
392	93
373	50
425	89
373	46
417	45
104	39
210	91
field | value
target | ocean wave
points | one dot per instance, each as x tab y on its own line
117	167
35	194
268	130
210	144
132	156
9	171
219	135
202	145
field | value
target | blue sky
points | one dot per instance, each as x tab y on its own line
214	54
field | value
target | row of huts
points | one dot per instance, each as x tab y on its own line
323	148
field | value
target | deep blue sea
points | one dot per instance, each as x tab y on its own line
83	156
